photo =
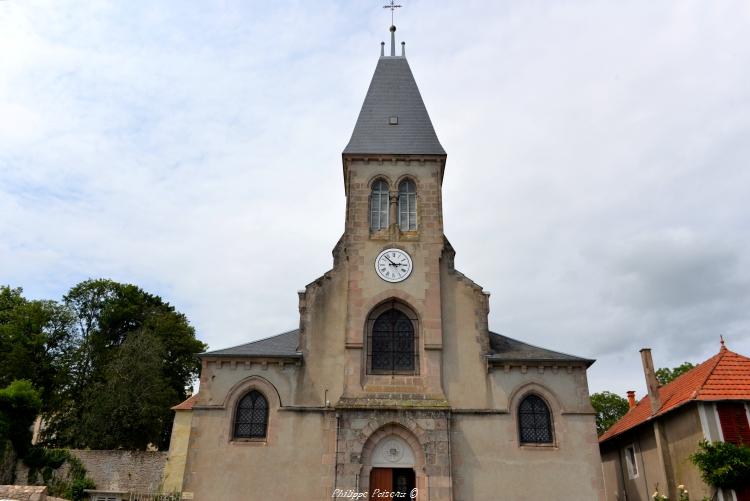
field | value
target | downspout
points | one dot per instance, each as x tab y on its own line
448	423
336	458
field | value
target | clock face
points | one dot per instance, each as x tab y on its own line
393	265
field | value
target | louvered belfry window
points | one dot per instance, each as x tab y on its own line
407	205
379	205
393	343
535	425
252	416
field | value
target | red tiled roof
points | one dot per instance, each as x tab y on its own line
725	376
187	404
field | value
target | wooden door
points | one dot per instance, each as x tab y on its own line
381	480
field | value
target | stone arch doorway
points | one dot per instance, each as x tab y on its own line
393	461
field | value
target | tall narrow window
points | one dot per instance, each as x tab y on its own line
392	343
379	205
407	205
535	425
251	419
631	462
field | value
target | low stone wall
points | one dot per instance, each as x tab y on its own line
24	492
136	471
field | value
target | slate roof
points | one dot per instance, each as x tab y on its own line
725	376
393	93
279	346
505	349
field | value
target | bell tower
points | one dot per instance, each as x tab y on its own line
393	242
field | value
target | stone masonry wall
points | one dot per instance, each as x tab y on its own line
136	471
425	431
23	492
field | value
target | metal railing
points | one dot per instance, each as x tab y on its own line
155	496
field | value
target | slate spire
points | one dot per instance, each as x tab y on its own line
393	119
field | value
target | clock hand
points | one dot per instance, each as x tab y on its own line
389	260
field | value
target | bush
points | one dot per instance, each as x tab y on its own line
19	406
47	461
723	464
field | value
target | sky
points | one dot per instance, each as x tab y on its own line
597	181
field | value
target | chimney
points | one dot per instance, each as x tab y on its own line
631	399
651	382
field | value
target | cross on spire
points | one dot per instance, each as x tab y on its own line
393	7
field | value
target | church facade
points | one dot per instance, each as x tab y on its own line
393	385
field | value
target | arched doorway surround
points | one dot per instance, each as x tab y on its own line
394	446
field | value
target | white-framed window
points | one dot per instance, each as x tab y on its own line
379	199
407	205
631	461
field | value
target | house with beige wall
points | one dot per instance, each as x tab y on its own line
648	450
392	381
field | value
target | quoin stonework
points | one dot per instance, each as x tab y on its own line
393	380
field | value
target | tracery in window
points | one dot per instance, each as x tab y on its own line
534	422
251	418
392	341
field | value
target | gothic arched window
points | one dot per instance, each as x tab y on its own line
392	341
407	205
534	421
251	418
379	205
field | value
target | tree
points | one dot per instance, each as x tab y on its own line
609	408
36	339
107	315
130	407
665	375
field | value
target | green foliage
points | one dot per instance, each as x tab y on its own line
723	464
609	408
73	350
35	337
666	375
79	481
130	407
45	463
19	406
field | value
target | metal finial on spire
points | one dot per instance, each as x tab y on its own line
721	338
403	49
393	7
382	49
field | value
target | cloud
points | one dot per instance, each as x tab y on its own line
596	178
676	270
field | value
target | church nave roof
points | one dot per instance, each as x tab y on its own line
281	345
505	349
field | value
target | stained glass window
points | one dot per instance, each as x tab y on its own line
252	416
534	421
